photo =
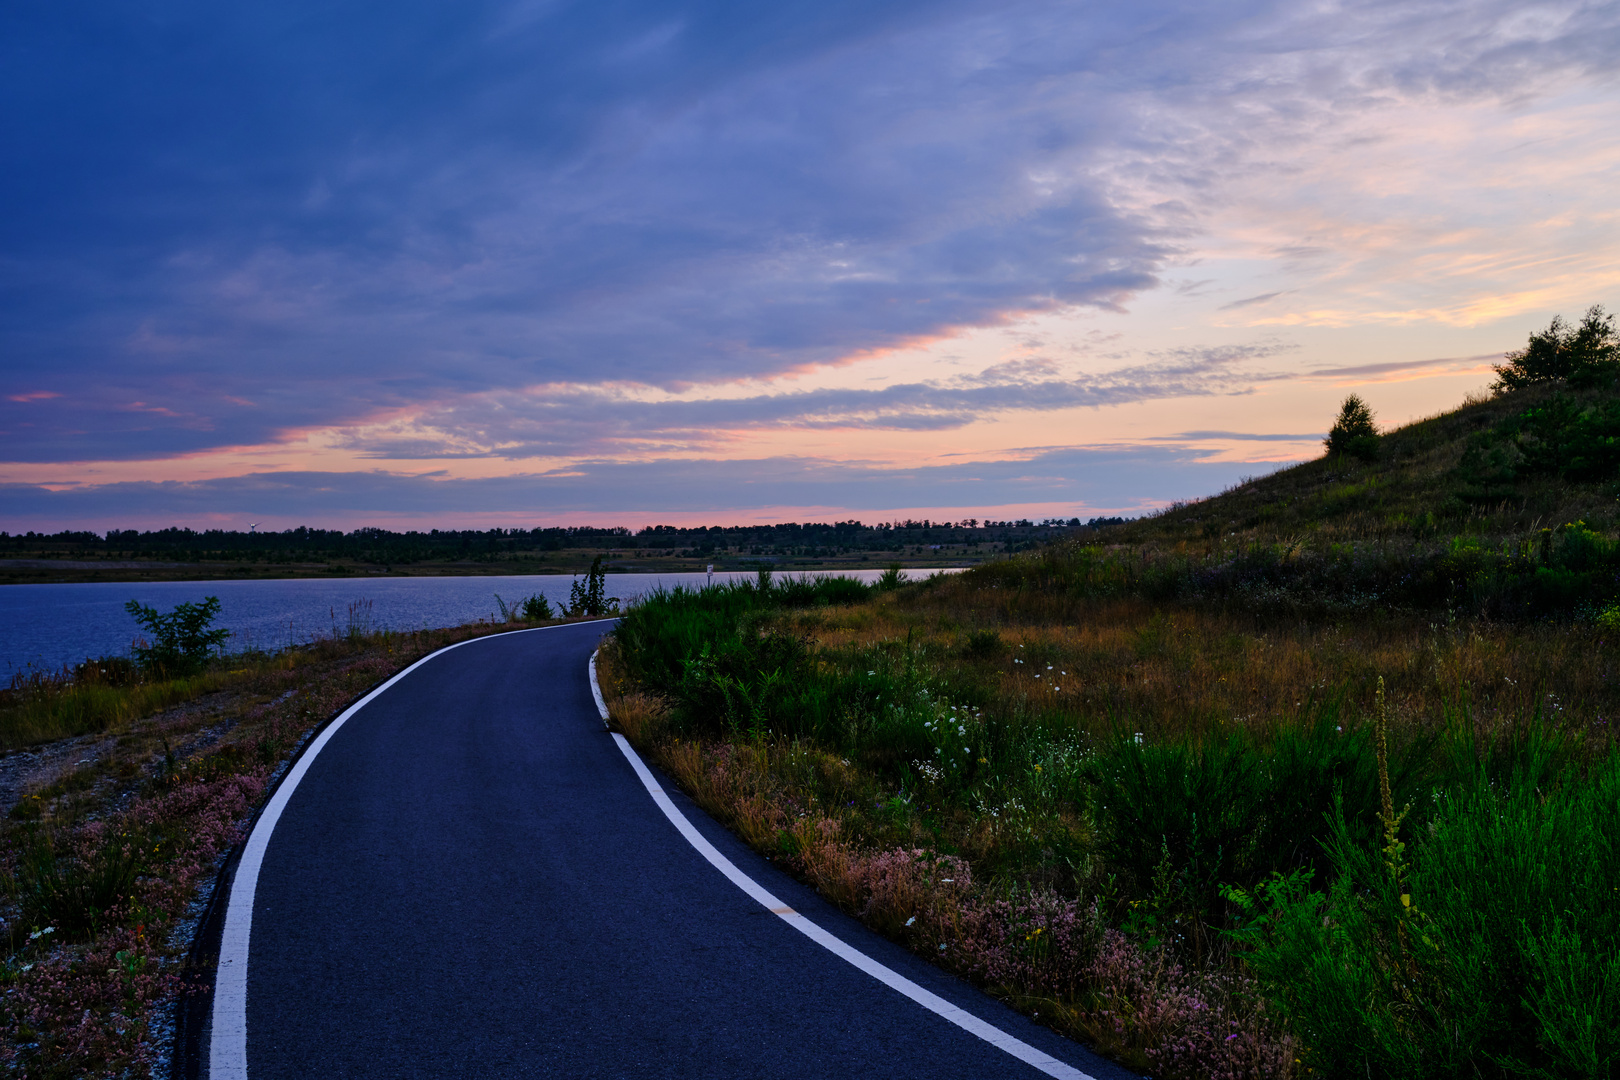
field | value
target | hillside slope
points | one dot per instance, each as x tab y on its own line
1504	507
1432	476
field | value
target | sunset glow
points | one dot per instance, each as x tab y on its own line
519	264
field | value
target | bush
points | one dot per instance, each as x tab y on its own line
589	597
984	644
1568	439
729	668
536	609
182	641
1187	819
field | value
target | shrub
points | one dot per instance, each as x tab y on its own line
589	597
729	667
535	609
1187	818
984	644
1608	619
1566	438
182	641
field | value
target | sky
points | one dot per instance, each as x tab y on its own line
542	262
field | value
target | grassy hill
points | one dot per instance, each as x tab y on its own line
1432	478
1505	508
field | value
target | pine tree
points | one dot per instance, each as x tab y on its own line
1581	355
1354	432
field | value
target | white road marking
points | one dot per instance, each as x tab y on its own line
991	1034
227	1047
596	691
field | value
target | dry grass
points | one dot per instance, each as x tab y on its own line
1103	663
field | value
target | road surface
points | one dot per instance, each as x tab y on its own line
467	878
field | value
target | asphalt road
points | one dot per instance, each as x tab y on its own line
469	880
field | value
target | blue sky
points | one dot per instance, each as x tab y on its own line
541	262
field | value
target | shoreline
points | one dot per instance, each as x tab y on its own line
84	571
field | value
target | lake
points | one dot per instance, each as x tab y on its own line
46	626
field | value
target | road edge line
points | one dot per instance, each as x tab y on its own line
227	1042
963	1019
596	692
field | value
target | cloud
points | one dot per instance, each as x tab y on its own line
1235	436
1398	368
534	205
293	217
1249	301
585	420
1111	478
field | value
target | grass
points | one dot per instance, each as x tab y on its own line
1489	949
1426	484
100	695
991	883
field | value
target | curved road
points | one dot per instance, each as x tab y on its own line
470	880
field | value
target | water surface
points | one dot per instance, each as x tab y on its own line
46	626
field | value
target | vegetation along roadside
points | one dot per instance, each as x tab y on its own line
1315	777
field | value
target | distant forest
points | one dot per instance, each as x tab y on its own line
381	546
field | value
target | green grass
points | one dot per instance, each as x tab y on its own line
100	695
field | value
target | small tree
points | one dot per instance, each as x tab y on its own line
182	641
536	608
1580	355
1354	432
589	597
